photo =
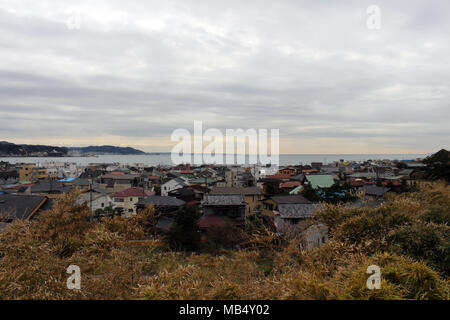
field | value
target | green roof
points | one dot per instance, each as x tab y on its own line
296	190
320	180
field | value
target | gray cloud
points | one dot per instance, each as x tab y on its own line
142	69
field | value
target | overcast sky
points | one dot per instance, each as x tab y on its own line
79	73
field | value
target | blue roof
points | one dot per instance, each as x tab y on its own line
67	180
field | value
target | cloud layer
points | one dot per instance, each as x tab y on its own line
129	73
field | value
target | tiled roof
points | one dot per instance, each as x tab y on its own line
290	199
223	200
279	176
20	206
161	201
50	186
133	192
120	176
290	184
231	190
296	210
372	190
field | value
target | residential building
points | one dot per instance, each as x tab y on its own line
96	198
253	196
319	180
174	184
23	207
128	199
219	209
163	204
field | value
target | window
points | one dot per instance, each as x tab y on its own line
103	204
130	210
131	199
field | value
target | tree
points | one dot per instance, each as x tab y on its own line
185	234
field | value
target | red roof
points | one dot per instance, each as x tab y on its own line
154	177
279	176
356	183
394	183
185	172
290	184
133	192
310	171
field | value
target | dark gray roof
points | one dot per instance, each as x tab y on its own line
296	210
231	190
290	199
298	177
19	206
372	190
50	186
120	176
223	200
80	182
161	201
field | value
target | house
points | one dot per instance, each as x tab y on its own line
96	198
316	165
23	207
290	185
128	199
192	195
299	177
25	172
271	204
218	209
174	184
52	189
253	196
288	171
319	180
290	213
374	192
119	182
163	204
205	181
279	176
315	236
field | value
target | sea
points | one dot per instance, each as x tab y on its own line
164	159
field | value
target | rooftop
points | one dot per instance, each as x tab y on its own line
133	192
223	200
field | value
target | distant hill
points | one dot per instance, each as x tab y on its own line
106	150
9	149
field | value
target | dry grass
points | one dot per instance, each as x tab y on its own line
36	255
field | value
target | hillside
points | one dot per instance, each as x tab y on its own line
408	238
24	150
8	149
107	150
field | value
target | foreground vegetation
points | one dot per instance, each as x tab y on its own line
407	237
